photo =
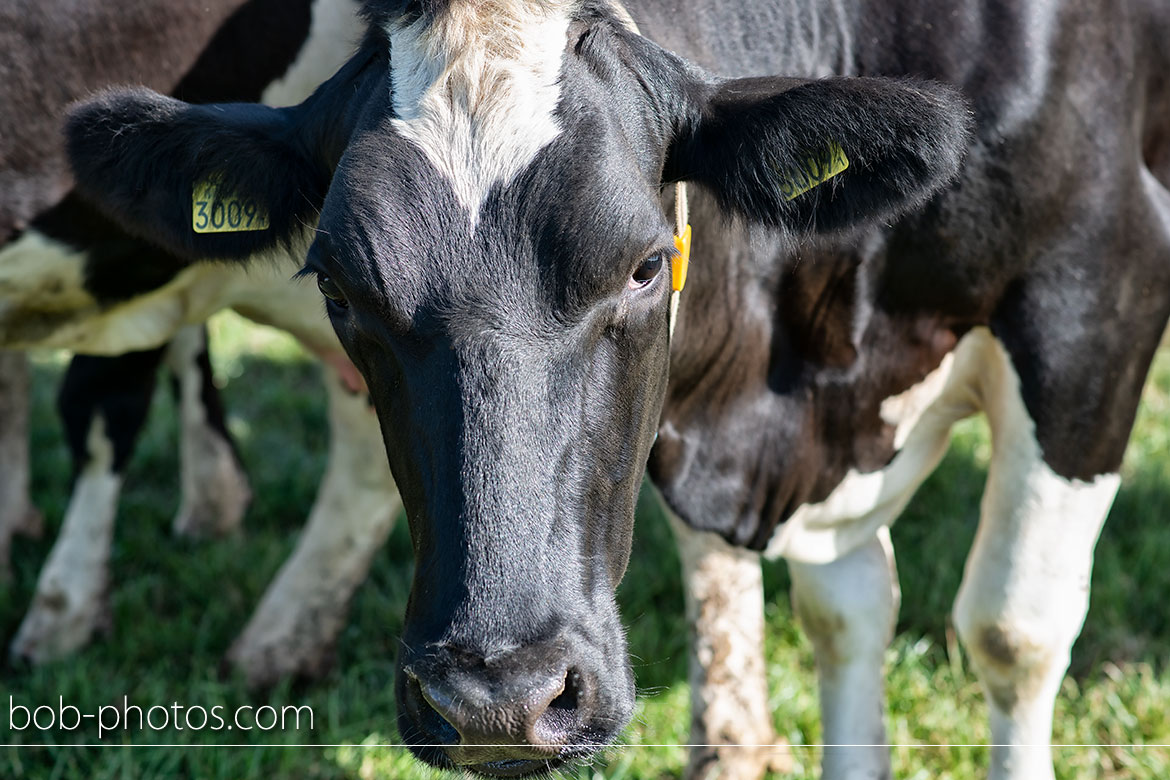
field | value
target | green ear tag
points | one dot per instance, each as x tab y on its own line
813	170
213	211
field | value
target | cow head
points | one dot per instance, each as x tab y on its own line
485	180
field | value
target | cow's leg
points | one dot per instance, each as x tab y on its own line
294	629
215	487
17	514
103	403
848	609
731	724
1025	589
848	603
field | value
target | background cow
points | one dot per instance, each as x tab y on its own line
492	249
69	278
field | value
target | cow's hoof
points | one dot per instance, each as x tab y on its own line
739	762
58	624
298	644
208	520
214	506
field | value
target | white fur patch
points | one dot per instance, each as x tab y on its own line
335	29
903	411
304	609
862	503
44	303
69	602
848	609
214	487
1025	588
923	416
476	89
41	280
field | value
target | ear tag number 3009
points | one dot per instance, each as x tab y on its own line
213	211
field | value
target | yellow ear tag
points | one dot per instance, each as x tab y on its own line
813	170
678	266
213	211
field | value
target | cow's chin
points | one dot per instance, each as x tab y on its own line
584	748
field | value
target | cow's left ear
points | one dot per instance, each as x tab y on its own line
215	181
210	181
824	155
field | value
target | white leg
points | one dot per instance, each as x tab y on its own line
848	609
17	514
70	599
1025	589
293	630
729	687
215	488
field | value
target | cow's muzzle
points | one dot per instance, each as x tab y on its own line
511	714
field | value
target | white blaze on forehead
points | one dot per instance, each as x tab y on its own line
476	88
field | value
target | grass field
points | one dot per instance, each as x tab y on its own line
176	606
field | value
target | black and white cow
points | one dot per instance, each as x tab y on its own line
71	278
493	250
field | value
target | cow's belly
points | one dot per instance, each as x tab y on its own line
44	302
864	502
42	290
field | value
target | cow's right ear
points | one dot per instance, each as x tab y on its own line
818	156
212	181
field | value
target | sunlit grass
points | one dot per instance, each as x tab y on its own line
177	605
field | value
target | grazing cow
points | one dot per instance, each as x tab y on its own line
492	248
71	278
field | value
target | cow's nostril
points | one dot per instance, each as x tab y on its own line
430	720
567	700
562	717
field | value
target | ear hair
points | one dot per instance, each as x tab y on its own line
904	140
138	155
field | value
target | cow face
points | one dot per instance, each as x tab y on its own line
495	259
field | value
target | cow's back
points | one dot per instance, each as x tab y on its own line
56	52
71	278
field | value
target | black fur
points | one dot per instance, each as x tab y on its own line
517	376
116	390
521	375
904	139
107	138
144	153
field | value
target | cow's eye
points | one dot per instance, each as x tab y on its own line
645	273
331	291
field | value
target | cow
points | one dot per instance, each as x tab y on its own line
936	210
71	278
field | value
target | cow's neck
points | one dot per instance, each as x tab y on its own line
754	37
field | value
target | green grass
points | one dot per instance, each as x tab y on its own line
177	605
